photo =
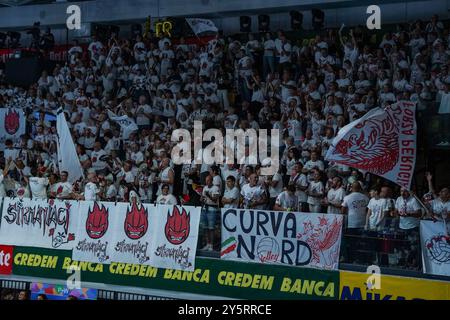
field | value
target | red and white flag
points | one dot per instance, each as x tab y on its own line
382	142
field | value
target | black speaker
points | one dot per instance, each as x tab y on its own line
318	19
296	20
263	22
246	23
23	71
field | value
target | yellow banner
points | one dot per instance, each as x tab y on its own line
355	286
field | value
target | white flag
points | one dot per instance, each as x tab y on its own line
126	123
12	124
382	142
201	25
435	244
67	154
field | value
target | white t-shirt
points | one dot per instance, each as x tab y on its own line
285	52
285	200
97	159
335	195
377	206
141	119
274	192
254	193
309	165
90	192
38	187
300	180
62	189
315	187
407	205
437	206
356	203
231	194
166	199
269	45
212	191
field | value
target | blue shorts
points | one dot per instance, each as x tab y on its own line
208	217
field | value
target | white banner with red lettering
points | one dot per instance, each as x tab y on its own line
291	238
95	230
47	224
382	142
174	240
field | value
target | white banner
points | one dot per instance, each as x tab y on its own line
126	123
296	239
382	142
132	228
12	124
94	232
174	240
435	243
39	223
201	25
67	154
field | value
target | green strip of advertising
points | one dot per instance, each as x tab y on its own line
211	276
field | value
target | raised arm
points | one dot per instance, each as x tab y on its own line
430	182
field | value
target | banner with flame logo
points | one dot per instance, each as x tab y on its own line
174	242
133	226
94	234
12	124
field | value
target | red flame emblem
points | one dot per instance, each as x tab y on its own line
177	226
97	222
136	222
12	122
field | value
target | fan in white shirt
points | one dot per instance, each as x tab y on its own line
231	196
62	189
98	157
378	208
287	200
355	205
440	206
38	187
165	197
91	190
335	196
408	208
254	197
315	192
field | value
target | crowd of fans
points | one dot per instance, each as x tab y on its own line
308	89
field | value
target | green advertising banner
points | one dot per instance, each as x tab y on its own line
211	276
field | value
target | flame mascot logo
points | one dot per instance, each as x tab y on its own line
97	222
12	122
177	226
136	222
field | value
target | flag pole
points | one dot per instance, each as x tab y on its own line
421	203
